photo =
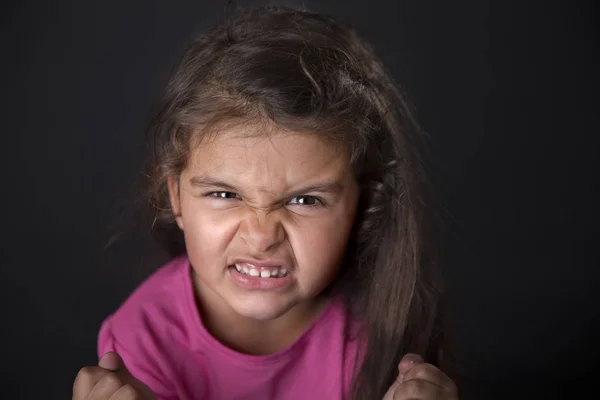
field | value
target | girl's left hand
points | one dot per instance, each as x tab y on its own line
418	380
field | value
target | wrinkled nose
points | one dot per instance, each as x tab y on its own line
262	232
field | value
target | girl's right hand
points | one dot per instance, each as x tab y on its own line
109	380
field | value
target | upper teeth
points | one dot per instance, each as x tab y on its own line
252	270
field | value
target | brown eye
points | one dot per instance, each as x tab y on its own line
305	201
224	195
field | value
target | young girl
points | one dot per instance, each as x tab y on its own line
286	161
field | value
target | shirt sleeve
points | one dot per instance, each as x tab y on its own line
140	366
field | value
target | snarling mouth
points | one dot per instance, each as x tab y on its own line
252	270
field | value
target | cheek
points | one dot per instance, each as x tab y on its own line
320	244
207	234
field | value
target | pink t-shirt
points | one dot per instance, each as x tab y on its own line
160	336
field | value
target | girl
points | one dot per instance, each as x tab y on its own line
285	160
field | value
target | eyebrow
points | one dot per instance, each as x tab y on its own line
197	181
329	187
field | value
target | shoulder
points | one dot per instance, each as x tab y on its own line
151	324
153	313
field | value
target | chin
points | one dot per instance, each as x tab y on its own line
261	309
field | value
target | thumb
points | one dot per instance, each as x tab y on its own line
113	362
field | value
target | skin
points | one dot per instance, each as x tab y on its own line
246	196
265	179
419	380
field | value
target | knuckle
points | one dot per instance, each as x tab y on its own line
128	392
414	387
112	380
85	375
85	381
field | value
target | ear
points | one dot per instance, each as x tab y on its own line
174	198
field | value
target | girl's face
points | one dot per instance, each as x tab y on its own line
266	219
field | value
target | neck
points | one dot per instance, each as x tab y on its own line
252	336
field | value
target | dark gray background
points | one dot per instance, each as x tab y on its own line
508	91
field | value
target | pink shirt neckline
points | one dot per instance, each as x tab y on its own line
240	358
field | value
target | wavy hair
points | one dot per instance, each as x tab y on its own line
304	71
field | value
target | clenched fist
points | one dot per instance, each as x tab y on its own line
418	380
110	380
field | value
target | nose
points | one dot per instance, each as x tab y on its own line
262	231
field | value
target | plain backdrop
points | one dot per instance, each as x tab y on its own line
508	91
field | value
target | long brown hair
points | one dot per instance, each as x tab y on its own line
305	71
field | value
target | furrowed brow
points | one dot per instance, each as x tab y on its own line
328	187
201	182
325	187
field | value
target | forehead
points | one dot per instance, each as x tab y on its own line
268	156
